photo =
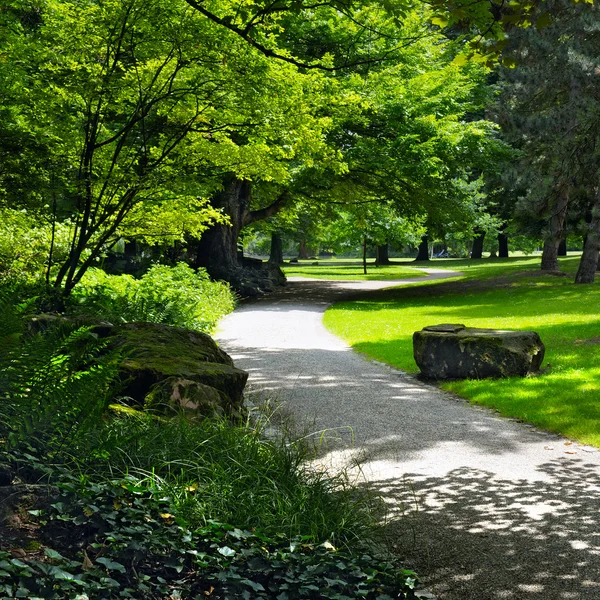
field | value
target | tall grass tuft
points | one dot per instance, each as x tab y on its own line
232	474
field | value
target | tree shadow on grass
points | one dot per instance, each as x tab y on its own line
473	536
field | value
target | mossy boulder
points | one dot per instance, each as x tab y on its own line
176	395
451	351
169	369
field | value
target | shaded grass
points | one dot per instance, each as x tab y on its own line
216	470
351	271
563	399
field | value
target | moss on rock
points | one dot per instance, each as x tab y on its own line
170	369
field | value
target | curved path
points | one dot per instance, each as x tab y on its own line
482	507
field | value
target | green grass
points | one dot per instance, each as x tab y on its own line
352	271
498	294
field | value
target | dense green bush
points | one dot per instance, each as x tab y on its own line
175	295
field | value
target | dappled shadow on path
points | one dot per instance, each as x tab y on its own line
381	410
471	535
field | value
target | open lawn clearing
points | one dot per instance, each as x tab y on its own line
563	399
352	271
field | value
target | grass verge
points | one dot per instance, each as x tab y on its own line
351	271
504	295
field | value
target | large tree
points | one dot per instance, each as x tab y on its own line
390	132
549	109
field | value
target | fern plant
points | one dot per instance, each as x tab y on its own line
53	383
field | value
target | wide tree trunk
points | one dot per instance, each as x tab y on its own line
364	256
302	250
477	250
383	255
276	255
502	245
217	248
423	253
589	259
556	231
562	248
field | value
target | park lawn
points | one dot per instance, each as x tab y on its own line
564	399
352	271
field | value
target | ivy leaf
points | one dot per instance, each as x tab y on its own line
110	565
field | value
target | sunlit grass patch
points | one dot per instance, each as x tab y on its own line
563	399
351	271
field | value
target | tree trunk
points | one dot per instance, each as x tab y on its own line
477	250
302	250
383	256
589	259
276	256
365	256
555	234
423	253
130	248
217	248
562	248
502	245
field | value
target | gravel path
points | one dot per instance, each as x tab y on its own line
482	507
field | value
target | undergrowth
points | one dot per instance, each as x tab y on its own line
176	295
147	507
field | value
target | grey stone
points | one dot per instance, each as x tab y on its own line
170	368
458	352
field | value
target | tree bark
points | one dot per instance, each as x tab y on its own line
423	253
502	245
383	256
365	256
217	248
302	250
477	250
276	256
589	259
562	248
556	231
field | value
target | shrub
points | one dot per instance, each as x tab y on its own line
174	295
25	245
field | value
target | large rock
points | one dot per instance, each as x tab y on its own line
165	369
457	352
171	369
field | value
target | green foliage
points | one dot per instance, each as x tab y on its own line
25	244
215	470
174	295
548	107
55	383
512	295
135	546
